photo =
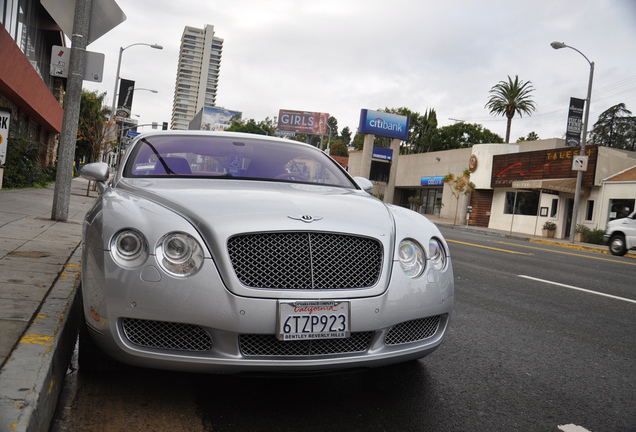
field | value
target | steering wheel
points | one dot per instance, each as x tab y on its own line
290	176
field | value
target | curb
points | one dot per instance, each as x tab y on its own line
629	254
577	246
33	375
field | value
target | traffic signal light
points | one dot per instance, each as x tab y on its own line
164	126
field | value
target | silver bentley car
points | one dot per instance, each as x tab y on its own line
229	253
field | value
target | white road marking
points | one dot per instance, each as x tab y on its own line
578	289
572	428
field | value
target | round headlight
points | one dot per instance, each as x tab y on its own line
129	248
437	254
411	257
179	254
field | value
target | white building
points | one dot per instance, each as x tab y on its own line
197	74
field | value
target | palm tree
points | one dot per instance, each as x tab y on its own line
508	98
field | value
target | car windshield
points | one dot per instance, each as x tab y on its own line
217	157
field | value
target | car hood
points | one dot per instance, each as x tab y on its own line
219	209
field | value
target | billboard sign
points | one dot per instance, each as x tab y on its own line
384	124
575	122
217	118
312	123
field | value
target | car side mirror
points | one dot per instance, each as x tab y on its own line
364	184
97	172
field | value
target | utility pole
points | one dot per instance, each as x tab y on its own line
72	102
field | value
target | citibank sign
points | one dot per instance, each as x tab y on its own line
384	124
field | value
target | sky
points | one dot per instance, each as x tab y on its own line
340	56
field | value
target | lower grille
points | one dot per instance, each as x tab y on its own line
166	335
412	331
268	345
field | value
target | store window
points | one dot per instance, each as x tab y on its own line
425	200
380	171
524	203
554	208
620	208
589	211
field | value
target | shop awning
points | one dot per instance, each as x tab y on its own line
567	185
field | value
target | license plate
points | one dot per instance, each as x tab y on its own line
313	320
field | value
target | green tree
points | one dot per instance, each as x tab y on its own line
91	133
421	130
358	141
615	127
460	185
265	127
345	135
508	98
532	136
332	127
460	135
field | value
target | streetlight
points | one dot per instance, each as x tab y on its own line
121	50
579	174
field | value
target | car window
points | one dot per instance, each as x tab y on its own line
234	158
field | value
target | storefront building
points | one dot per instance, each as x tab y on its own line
518	186
27	90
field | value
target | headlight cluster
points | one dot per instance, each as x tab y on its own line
413	259
129	248
179	254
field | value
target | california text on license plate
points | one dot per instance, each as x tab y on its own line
313	320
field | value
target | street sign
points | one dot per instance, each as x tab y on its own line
93	64
285	133
133	133
105	15
5	121
579	163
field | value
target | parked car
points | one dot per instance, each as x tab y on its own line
224	253
620	234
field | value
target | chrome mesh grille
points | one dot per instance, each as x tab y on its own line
412	331
268	345
166	335
303	260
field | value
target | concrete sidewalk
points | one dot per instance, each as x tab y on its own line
39	278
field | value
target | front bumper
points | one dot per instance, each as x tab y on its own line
196	324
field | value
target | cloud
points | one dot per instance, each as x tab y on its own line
342	56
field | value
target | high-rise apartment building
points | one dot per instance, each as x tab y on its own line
197	74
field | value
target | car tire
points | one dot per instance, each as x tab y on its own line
90	358
617	245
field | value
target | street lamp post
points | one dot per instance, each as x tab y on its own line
579	174
121	50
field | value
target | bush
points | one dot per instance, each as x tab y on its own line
550	226
23	167
339	149
595	236
582	229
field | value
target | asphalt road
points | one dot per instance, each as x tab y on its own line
542	339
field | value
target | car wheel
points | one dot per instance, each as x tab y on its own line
90	358
617	245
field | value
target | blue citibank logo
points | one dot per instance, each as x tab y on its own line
384	124
432	181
